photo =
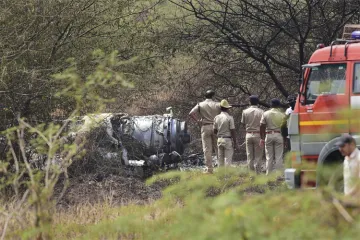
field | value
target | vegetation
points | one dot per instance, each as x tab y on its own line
37	156
236	47
62	58
230	204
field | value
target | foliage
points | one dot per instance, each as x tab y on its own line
230	204
170	52
37	37
182	48
39	155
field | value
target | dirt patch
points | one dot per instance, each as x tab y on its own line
104	185
112	189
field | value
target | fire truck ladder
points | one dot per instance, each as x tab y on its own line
346	37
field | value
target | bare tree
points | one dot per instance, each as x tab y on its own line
271	37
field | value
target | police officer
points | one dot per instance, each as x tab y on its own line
204	113
224	128
251	119
271	136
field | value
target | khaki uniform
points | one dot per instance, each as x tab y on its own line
207	110
251	118
274	142
223	123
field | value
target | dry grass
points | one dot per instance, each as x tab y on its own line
232	202
78	220
68	223
86	203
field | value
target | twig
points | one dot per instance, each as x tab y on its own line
342	210
5	227
9	216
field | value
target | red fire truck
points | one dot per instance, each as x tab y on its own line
326	107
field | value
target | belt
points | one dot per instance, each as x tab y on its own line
251	132
272	132
224	137
205	124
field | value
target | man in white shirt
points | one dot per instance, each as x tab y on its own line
291	100
347	147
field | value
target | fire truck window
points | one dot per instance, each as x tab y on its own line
356	87
324	80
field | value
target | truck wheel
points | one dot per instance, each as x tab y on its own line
330	173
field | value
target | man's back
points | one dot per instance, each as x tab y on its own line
224	127
208	110
251	118
224	123
273	119
204	114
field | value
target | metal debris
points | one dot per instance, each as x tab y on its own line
195	162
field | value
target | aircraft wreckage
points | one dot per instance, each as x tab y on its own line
149	143
155	141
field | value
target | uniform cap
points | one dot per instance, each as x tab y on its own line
209	93
254	97
225	104
275	102
344	139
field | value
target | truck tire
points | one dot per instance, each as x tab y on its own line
330	172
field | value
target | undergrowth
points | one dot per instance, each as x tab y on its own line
231	204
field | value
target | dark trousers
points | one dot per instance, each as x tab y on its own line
288	148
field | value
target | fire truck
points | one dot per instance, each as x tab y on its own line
326	108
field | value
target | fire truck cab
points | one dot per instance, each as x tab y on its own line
325	109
